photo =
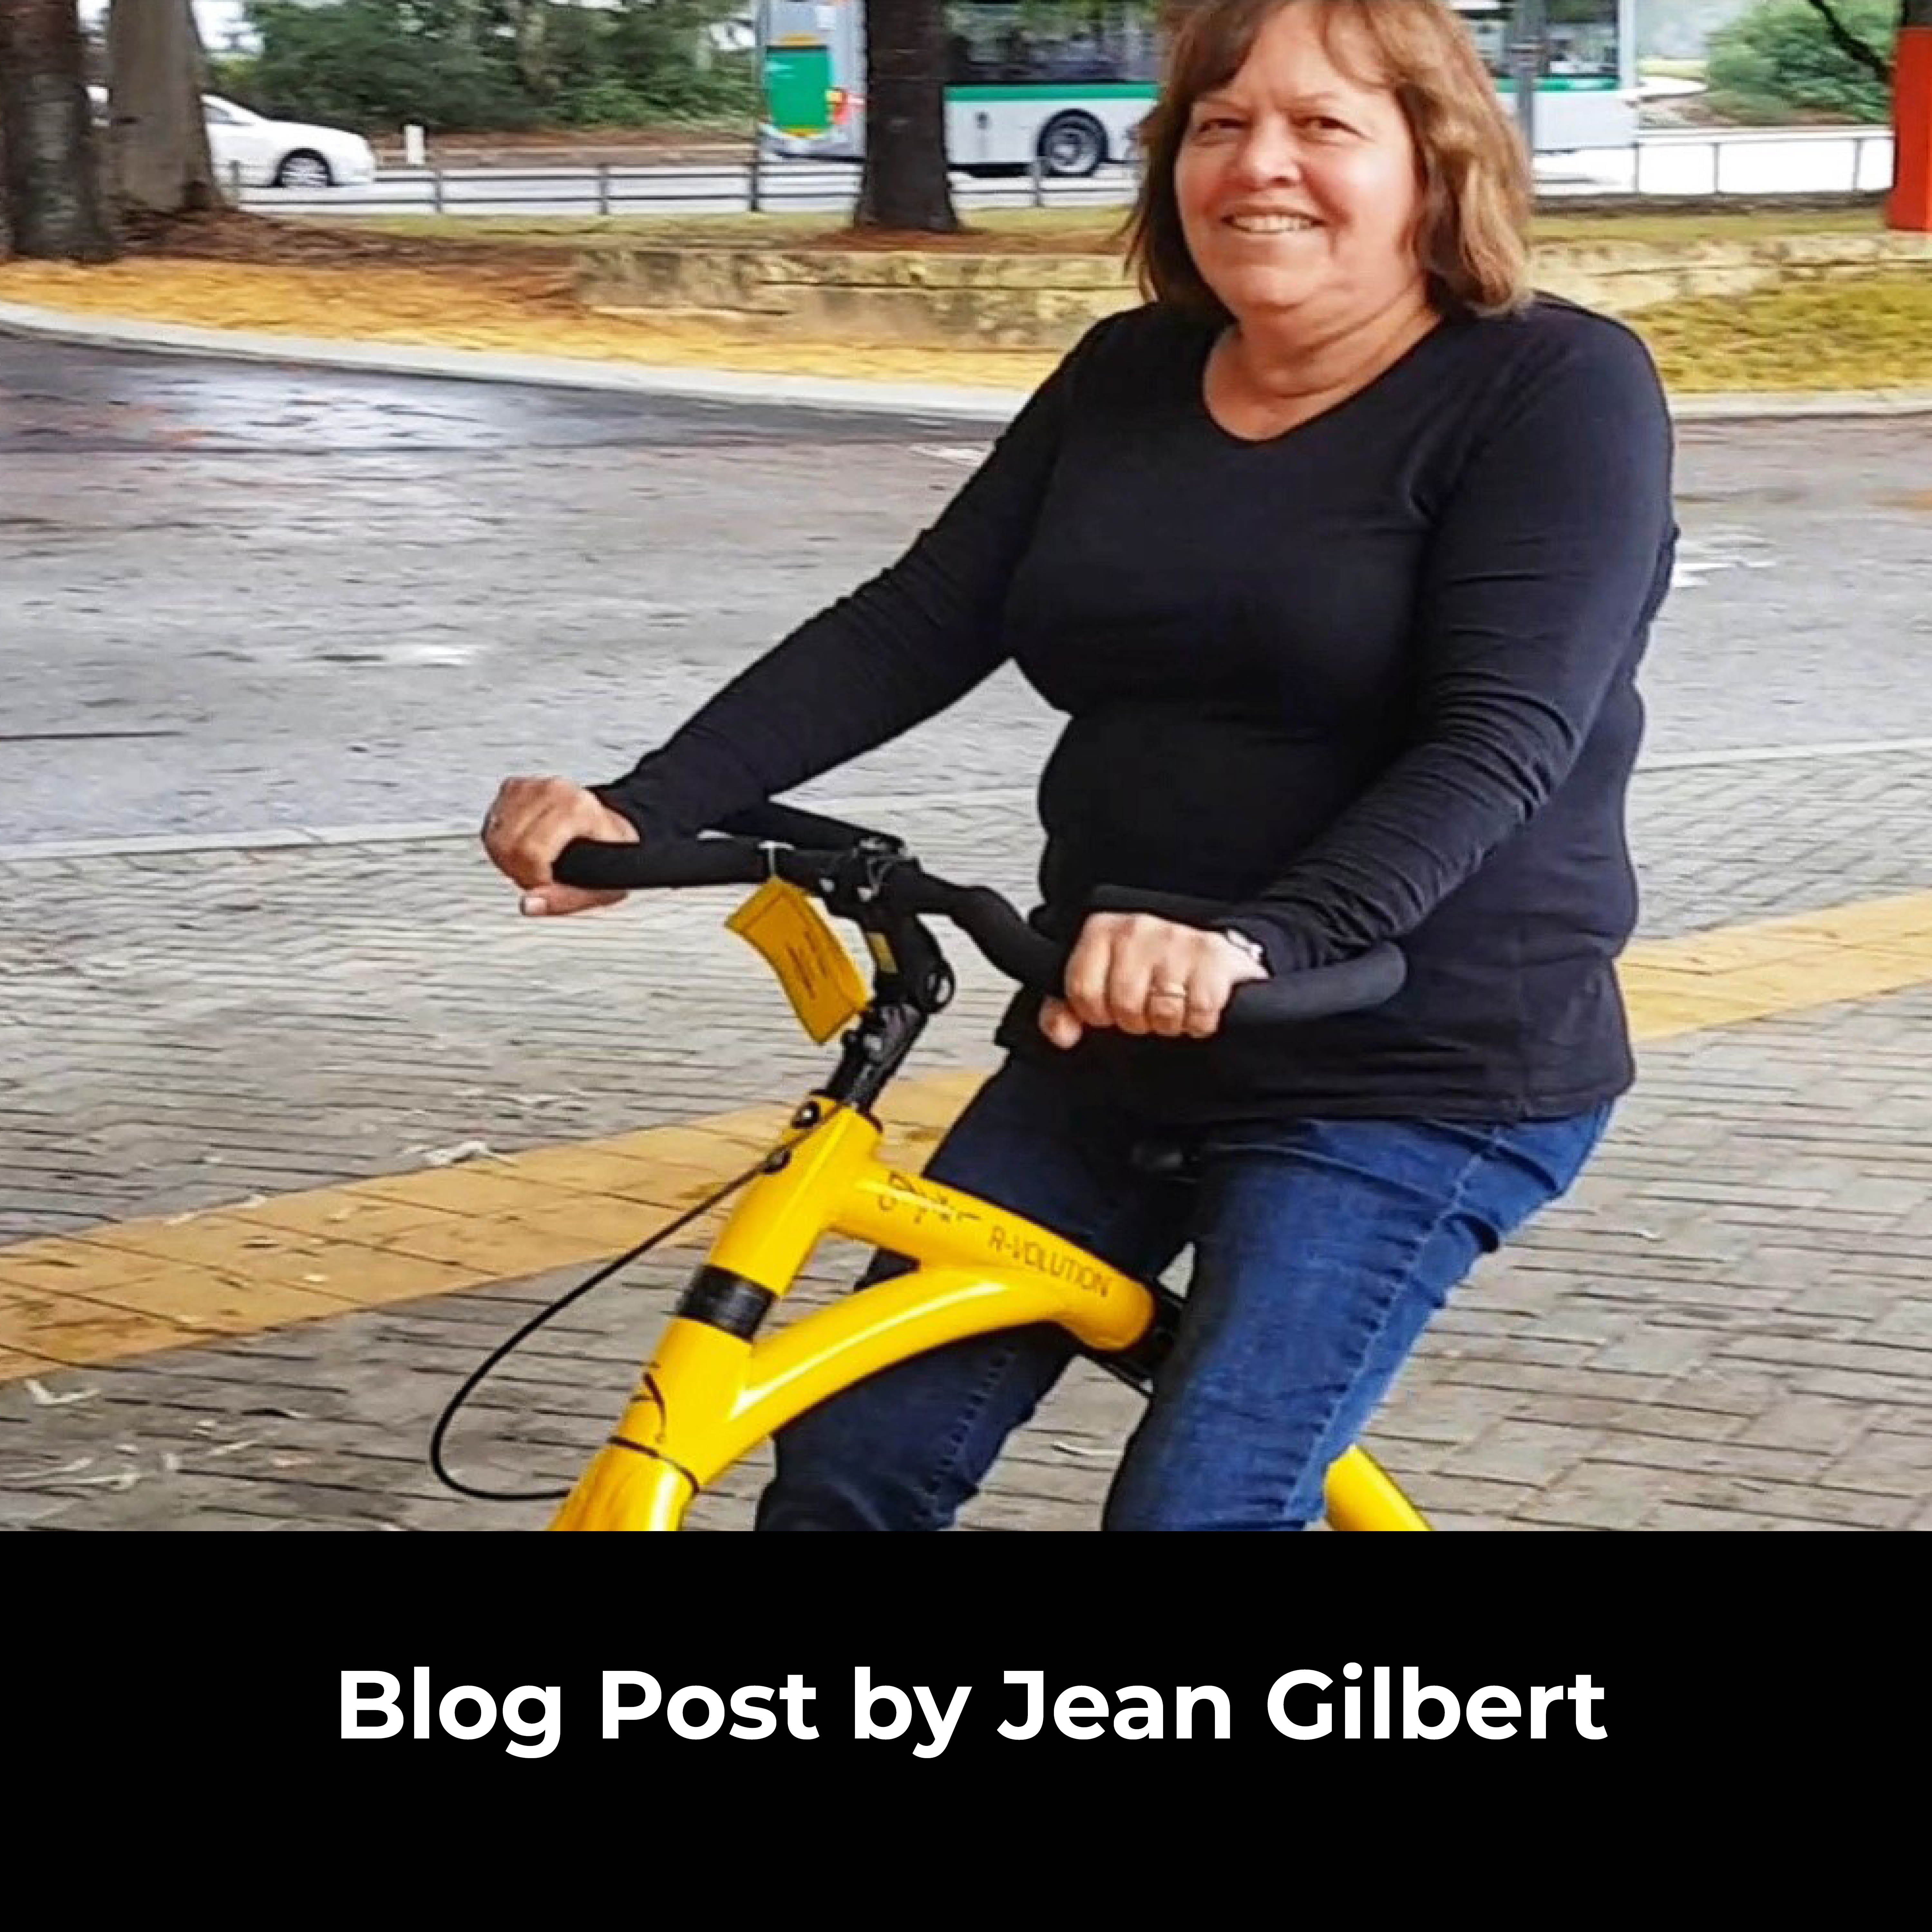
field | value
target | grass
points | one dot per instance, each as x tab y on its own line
1062	231
507	310
1874	333
495	287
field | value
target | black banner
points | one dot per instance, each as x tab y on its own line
531	1665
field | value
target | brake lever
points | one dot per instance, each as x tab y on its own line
858	883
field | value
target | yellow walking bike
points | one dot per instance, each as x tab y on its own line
715	1388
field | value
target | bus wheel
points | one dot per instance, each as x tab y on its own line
1072	144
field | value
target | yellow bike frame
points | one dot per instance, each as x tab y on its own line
713	1391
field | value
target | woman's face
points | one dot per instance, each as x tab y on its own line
1296	185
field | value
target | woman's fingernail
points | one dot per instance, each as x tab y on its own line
533	904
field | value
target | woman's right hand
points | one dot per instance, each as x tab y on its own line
530	821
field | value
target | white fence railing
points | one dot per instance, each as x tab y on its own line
1767	162
712	188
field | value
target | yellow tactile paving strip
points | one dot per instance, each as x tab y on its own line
140	1287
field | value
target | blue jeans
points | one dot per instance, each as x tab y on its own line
1321	1249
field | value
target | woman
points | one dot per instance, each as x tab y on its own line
1340	556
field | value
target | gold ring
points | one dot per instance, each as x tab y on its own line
1167	993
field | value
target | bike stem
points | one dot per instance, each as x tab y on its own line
911	982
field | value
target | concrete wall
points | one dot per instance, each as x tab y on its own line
1045	302
988	301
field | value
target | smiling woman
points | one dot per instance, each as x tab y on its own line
1325	161
1340	556
1388	106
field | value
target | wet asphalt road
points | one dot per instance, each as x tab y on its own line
243	597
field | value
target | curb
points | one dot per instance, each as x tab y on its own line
726	386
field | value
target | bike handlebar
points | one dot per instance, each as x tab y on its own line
993	923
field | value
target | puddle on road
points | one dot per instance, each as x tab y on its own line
1701	554
412	652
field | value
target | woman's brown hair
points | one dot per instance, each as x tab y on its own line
1471	235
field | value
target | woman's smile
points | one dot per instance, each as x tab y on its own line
1269	223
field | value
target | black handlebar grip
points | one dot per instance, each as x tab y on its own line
1322	992
602	865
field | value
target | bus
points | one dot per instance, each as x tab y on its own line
1065	83
1587	89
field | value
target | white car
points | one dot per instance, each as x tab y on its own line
276	154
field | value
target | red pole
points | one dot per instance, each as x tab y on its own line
1911	204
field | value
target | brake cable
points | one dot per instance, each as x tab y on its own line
504	1349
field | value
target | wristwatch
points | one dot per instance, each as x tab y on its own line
1252	947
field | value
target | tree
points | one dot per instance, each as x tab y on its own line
1782	60
159	133
1855	46
528	19
55	206
904	183
477	64
368	63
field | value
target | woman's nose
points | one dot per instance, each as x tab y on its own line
1270	154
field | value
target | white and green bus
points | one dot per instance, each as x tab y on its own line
1587	90
1065	82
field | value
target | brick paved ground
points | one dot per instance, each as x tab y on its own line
187	1030
1729	1323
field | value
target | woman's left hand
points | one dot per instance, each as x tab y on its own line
1146	975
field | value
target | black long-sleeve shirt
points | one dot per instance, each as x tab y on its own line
1371	679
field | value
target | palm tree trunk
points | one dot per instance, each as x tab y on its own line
159	134
529	20
904	184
